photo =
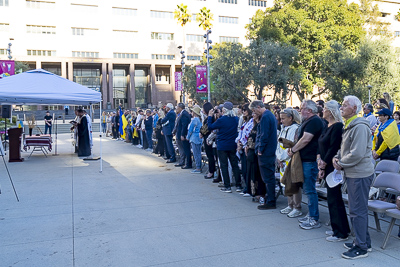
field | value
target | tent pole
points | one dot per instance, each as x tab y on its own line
101	134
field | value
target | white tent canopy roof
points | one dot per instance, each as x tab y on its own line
40	87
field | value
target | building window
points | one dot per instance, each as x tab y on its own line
259	3
4	27
161	14
88	77
40	4
87	9
85	54
230	20
397	33
163	57
197	58
194	16
122	11
37	29
3	2
83	31
162	36
123	34
228	39
44	53
2	51
228	1
126	55
194	38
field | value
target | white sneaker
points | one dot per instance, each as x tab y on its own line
335	239
246	195
286	210
304	219
295	213
329	233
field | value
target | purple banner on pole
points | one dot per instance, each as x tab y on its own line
178	81
7	68
201	79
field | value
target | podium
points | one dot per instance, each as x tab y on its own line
14	137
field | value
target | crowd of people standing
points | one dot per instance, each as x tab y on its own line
257	149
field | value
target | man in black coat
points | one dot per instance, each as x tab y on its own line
181	133
83	136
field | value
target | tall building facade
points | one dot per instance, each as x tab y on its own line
126	49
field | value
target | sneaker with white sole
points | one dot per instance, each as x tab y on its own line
330	233
246	195
310	224
355	253
226	190
195	171
239	189
350	245
286	210
303	219
336	239
295	213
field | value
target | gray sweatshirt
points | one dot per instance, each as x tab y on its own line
355	154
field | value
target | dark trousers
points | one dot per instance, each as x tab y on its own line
149	134
182	156
210	156
267	170
114	132
170	147
337	212
188	154
224	155
47	127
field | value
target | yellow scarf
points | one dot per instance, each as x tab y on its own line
349	120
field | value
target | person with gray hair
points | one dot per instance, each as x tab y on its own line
328	146
369	115
265	147
226	146
168	124
355	160
310	130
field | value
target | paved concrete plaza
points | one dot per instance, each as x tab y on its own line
141	211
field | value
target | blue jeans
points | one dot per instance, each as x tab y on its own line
267	171
197	154
47	127
310	172
149	134
104	127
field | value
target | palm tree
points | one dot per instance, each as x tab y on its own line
204	18
182	14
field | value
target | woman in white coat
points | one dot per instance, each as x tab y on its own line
291	120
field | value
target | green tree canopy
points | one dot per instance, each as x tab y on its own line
310	26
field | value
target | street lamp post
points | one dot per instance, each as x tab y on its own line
183	72
9	51
369	93
208	56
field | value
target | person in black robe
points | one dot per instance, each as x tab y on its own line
83	136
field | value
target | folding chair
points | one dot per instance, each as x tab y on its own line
383	181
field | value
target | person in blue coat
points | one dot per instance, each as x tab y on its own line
168	124
181	132
227	132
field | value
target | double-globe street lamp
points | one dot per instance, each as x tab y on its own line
208	56
183	72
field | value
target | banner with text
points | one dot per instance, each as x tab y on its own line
178	81
7	68
201	79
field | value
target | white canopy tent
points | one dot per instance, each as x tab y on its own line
40	87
